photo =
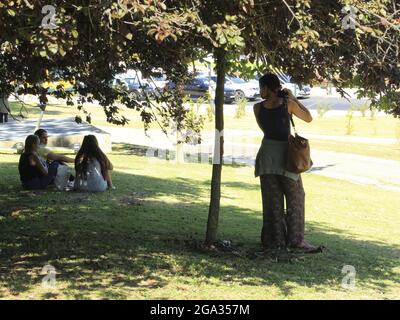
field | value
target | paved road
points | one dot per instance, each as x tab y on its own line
354	168
63	132
337	106
18	130
344	166
334	103
232	134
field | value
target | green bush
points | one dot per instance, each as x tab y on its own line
363	109
200	101
210	113
373	113
349	122
240	108
322	109
398	133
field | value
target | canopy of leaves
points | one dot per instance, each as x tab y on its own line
307	40
95	40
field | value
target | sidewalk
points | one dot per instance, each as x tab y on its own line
351	139
344	166
320	92
62	132
158	139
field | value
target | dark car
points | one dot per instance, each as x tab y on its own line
199	87
131	84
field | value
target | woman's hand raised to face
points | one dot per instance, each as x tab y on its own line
290	94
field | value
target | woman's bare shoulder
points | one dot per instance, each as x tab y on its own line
33	156
292	105
33	159
258	106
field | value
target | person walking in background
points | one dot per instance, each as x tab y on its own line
279	230
4	109
93	168
34	172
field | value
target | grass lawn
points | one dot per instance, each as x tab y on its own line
54	111
139	241
389	152
378	127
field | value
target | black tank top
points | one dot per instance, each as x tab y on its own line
27	172
275	123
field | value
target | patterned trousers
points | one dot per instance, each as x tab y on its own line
279	229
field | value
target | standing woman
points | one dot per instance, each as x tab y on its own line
279	230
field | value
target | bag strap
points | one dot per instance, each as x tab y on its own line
290	116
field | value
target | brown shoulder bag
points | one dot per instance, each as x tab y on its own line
299	158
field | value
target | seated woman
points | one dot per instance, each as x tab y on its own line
33	171
92	167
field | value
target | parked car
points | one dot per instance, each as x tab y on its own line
138	88
158	82
57	82
200	86
299	90
243	88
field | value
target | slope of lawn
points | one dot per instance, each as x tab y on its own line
374	127
388	152
139	241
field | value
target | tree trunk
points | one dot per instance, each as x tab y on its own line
180	155
213	213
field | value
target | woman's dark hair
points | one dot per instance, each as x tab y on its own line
29	142
90	150
272	82
40	132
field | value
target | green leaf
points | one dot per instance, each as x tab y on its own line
61	51
75	33
53	48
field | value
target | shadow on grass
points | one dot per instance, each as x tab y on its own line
191	156
106	246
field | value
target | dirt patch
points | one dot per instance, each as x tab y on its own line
134	199
224	248
13	212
